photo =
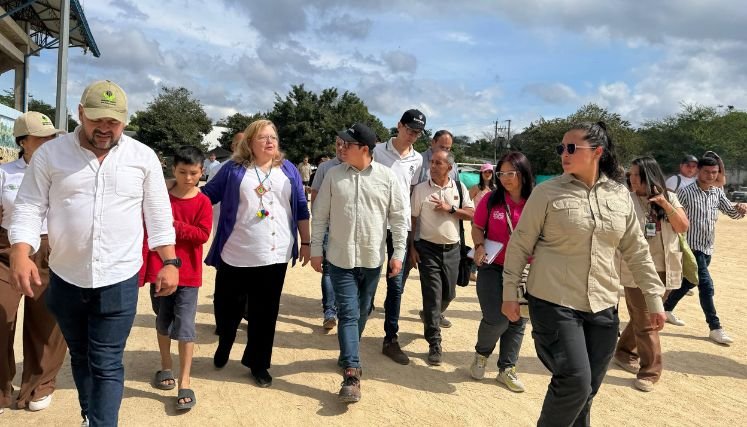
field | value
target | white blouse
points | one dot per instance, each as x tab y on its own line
11	175
256	241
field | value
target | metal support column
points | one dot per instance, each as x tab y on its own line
64	37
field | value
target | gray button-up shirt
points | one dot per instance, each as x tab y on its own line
356	206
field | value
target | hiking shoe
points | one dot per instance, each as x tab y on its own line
391	350
43	403
434	355
720	336
329	322
643	385
477	368
508	377
350	392
671	318
629	366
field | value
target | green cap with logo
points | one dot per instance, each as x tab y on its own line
34	124
104	100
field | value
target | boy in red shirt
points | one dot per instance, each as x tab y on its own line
175	314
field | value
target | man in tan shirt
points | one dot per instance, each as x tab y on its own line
439	205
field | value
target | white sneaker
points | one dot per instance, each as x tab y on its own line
508	377
38	405
720	336
671	318
643	385
477	369
84	423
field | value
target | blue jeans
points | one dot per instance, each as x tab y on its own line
95	324
395	287
354	290
705	291
328	292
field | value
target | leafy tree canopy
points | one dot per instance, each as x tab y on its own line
173	119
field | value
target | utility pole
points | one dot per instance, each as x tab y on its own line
508	135
495	144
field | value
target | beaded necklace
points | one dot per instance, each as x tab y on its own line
261	191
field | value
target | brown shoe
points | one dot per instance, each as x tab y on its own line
391	350
350	392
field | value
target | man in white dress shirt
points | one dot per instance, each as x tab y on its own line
95	186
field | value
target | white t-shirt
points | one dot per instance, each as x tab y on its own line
671	182
11	175
406	169
255	241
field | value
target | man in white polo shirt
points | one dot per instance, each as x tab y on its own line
439	203
400	156
95	185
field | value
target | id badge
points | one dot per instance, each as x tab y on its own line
650	229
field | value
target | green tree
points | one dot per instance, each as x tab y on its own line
236	123
173	119
694	130
539	139
308	122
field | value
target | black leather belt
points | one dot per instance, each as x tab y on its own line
442	246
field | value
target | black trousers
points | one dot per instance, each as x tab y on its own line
259	288
576	347
439	268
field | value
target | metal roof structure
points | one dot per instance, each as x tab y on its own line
43	17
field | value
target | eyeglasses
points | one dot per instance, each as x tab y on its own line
413	132
571	148
346	144
510	174
267	138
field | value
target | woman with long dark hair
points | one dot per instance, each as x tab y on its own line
495	218
572	227
485	186
661	217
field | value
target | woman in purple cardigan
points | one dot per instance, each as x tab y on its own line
262	211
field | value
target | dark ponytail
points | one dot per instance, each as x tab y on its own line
598	136
18	141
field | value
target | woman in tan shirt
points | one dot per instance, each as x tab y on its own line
661	217
572	226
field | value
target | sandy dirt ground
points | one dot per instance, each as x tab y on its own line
703	383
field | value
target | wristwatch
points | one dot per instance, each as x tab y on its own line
176	262
453	209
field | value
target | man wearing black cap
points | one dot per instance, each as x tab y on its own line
366	198
400	156
688	170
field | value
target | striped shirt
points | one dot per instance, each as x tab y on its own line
702	209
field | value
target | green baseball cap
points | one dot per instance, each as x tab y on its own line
104	99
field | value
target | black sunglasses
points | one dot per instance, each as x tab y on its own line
571	148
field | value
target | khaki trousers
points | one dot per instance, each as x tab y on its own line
638	341
44	347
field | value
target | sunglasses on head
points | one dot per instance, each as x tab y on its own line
571	148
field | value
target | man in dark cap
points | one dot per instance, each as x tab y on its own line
366	198
400	156
688	171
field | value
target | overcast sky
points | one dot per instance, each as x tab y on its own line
464	64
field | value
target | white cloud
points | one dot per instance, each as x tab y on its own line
459	37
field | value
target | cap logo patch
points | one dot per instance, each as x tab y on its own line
45	121
108	98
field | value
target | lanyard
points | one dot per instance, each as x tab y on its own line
508	220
